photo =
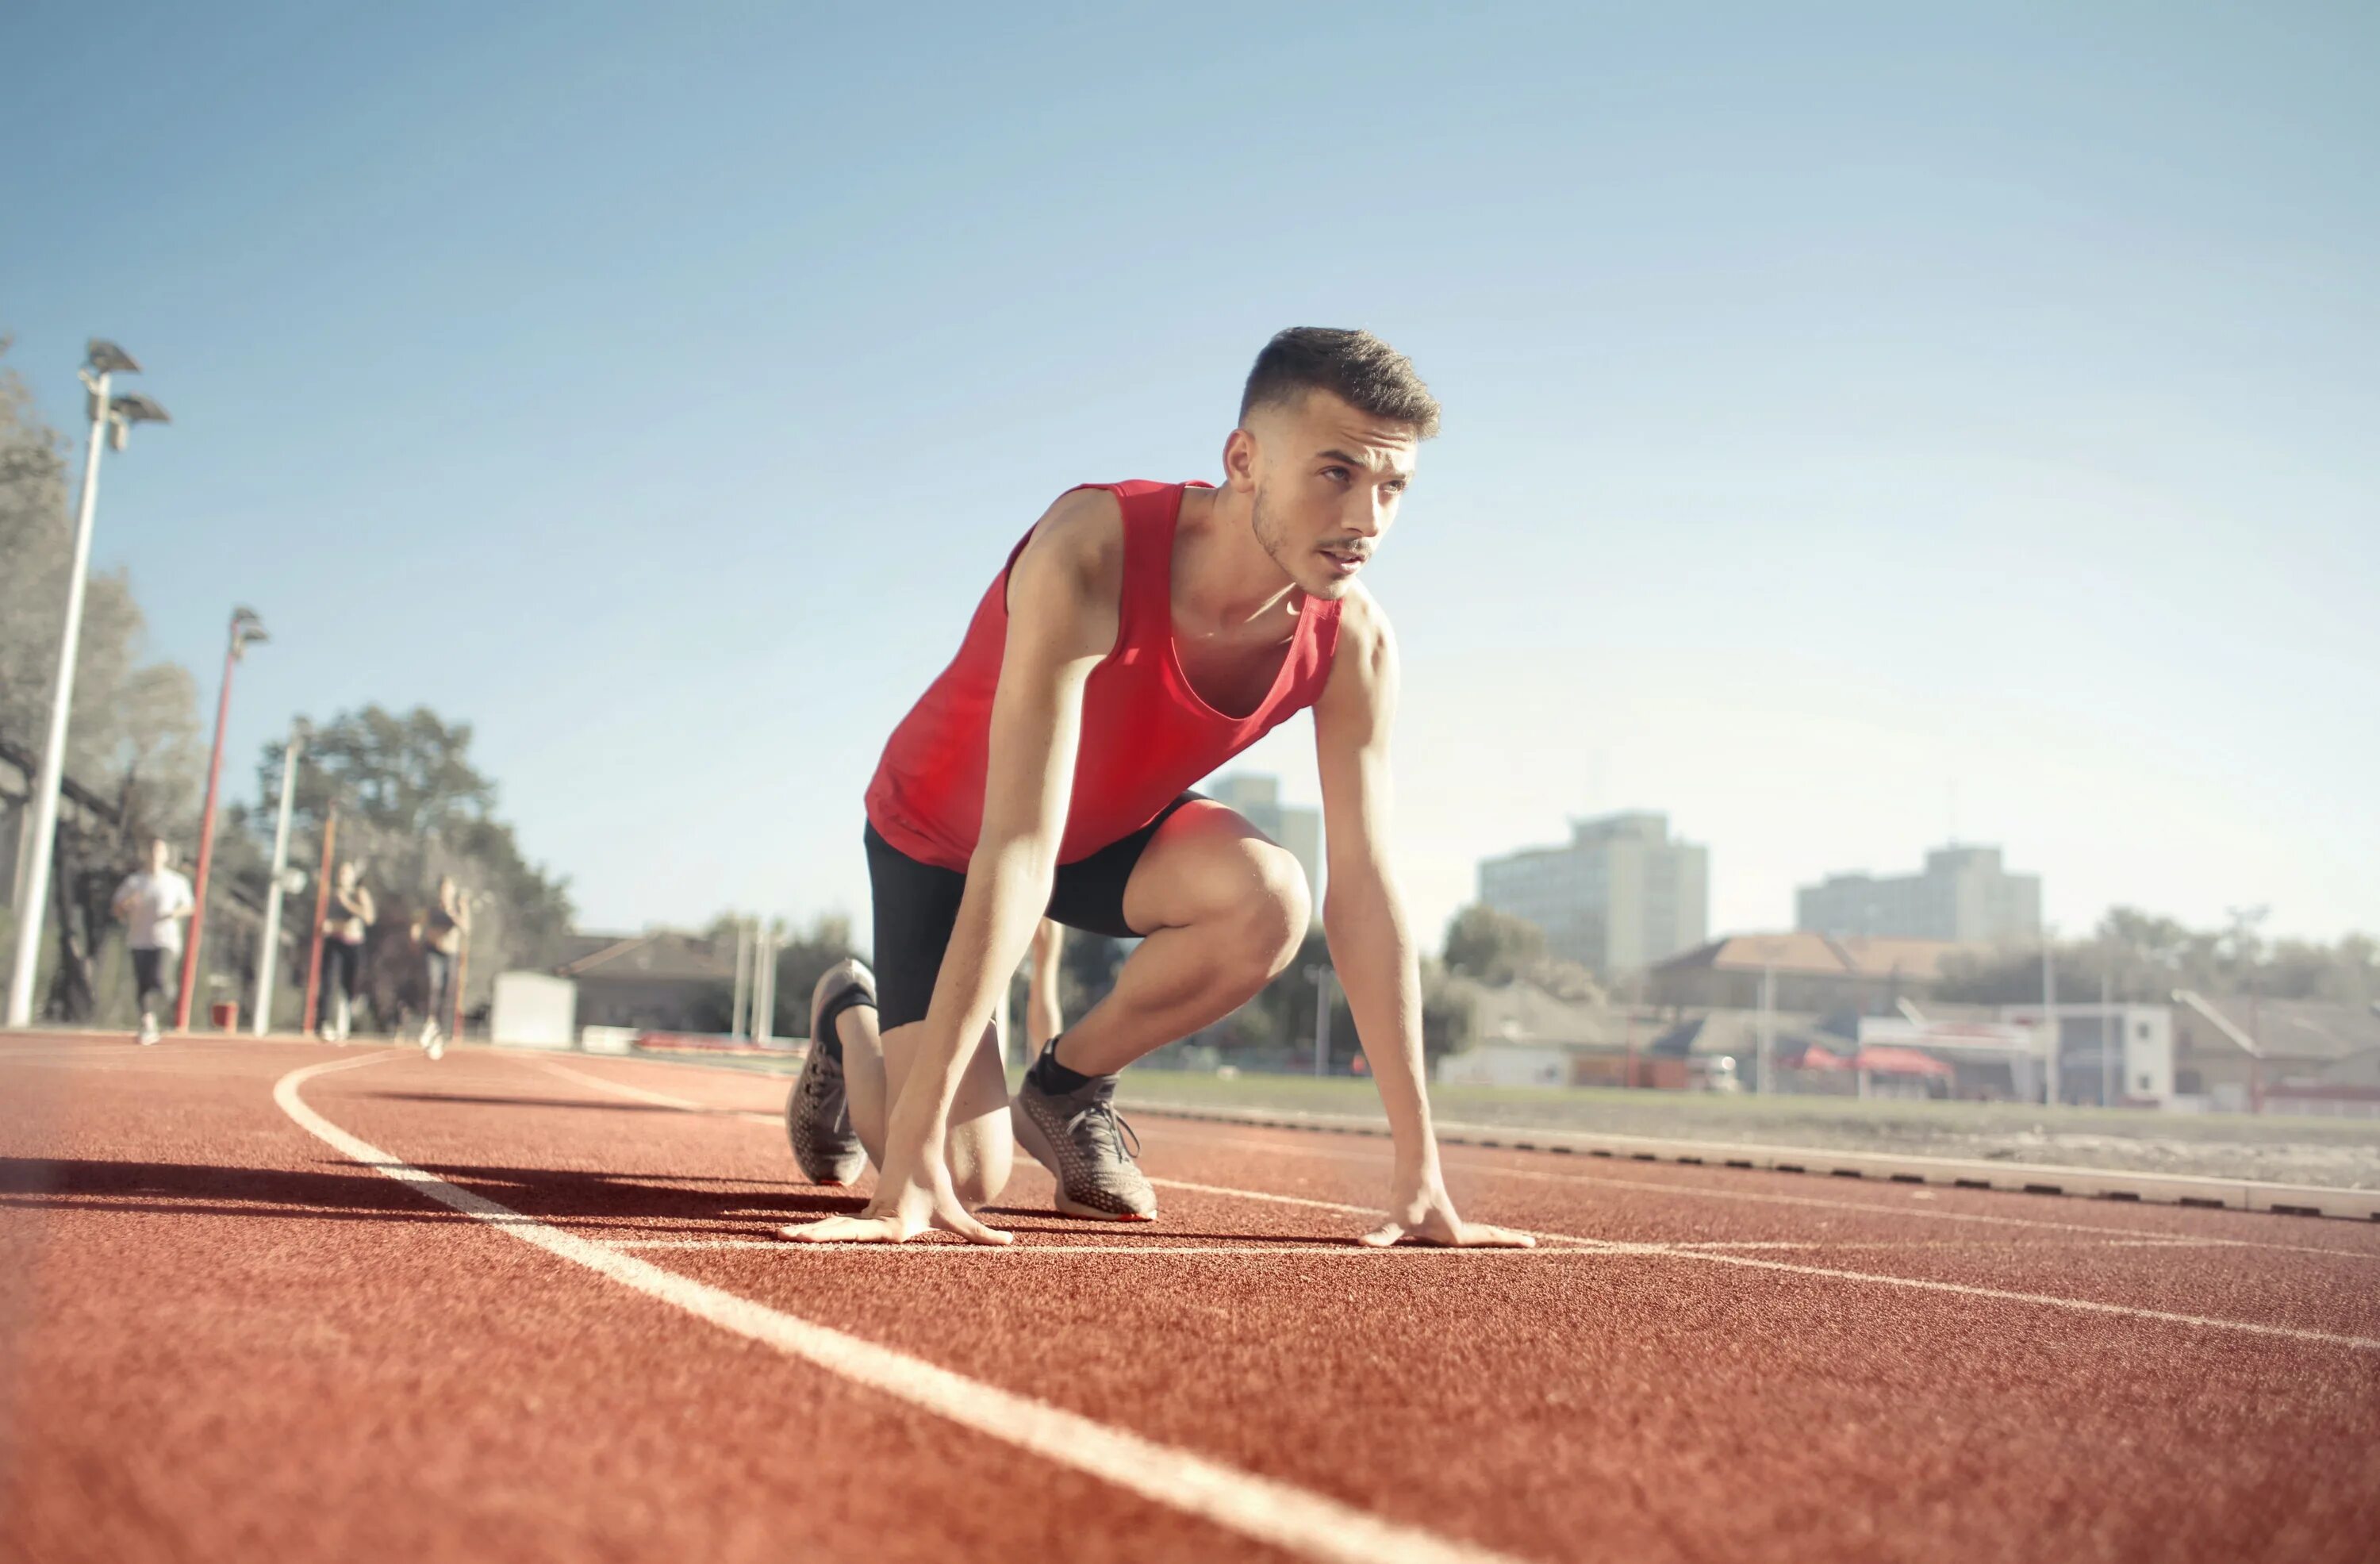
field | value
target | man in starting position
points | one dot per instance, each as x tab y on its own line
1140	635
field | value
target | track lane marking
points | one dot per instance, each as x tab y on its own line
1551	1176
1200	1134
1919	1284
1350	1250
1263	1508
1915	1284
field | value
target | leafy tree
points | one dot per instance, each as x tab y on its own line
1492	946
412	809
802	960
2145	957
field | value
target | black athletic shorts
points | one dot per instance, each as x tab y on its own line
917	906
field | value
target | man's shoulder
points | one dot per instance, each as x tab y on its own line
1083	520
1079	540
1363	623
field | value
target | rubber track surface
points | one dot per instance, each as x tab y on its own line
224	1336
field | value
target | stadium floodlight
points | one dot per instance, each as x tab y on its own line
102	356
125	411
111	420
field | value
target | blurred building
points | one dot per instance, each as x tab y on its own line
1803	972
1292	825
660	981
1963	896
1621	895
2235	1053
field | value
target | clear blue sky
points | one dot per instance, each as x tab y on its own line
1838	404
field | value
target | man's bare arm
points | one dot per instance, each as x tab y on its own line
1364	918
1061	620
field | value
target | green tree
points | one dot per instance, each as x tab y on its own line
1492	946
412	808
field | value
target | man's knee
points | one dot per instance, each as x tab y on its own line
1275	915
982	1155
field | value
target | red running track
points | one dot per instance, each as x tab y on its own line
272	1301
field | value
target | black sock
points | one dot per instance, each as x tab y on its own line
829	1040
1047	1075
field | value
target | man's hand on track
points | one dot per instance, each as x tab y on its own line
1425	1214
899	1213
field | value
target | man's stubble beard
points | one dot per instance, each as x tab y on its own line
1273	538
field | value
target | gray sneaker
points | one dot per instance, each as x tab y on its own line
1081	1140
817	1113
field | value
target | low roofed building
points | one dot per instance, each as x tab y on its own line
660	981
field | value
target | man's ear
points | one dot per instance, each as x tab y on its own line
1240	453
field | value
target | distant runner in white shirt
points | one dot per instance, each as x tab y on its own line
152	902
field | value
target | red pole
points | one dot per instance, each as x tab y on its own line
206	847
321	906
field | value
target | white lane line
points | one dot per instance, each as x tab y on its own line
1027	1247
1260	1507
2079	1305
1342	1154
660	1098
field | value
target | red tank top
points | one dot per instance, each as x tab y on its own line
1147	734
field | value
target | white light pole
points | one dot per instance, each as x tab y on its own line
1320	975
299	731
1766	1043
743	980
2053	1034
764	985
2111	1031
112	419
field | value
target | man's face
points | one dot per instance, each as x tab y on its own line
160	855
1327	480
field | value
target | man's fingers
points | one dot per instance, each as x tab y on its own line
964	1223
1479	1235
1383	1237
846	1230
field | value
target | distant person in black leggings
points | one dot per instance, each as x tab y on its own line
153	903
440	932
351	914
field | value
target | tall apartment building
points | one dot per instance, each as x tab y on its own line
1621	895
1963	895
1292	825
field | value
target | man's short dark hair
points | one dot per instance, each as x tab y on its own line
1354	366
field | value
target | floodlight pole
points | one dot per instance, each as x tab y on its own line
742	980
245	626
2111	1033
1766	1043
265	961
1320	975
308	1021
764	982
36	879
2054	1038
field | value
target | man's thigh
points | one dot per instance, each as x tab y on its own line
1206	861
